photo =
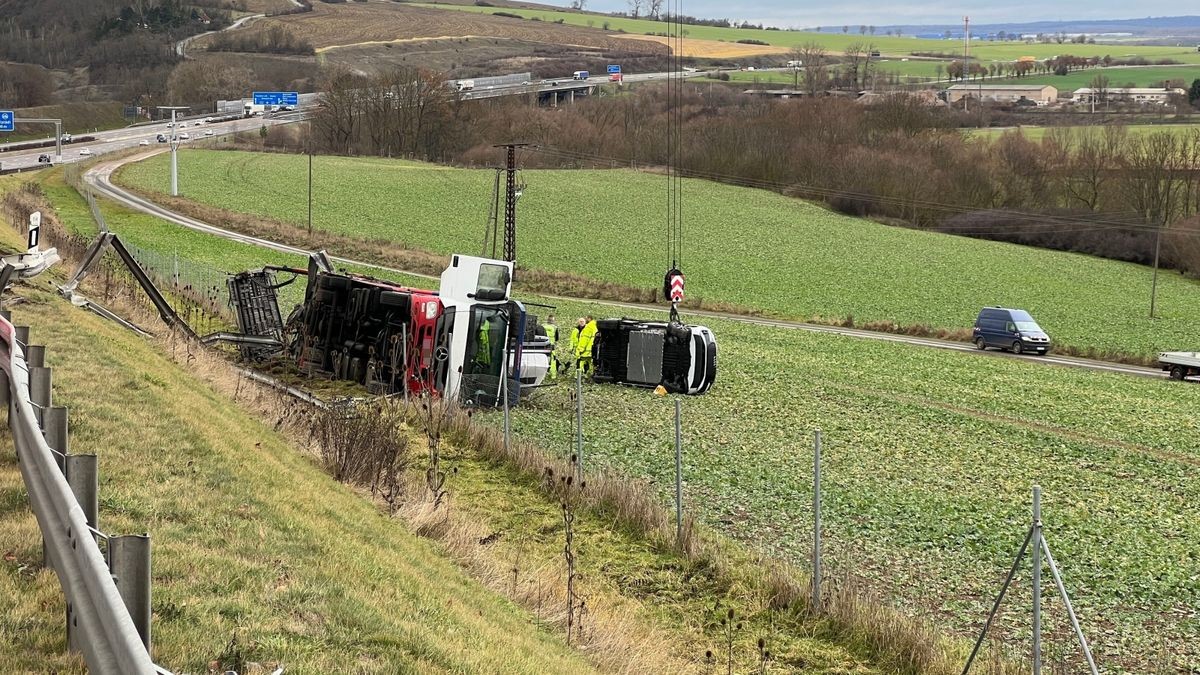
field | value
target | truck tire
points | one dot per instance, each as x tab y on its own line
980	343
1016	348
1178	372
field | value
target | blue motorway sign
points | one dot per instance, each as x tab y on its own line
7	120
614	69
276	98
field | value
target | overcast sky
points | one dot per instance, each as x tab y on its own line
807	13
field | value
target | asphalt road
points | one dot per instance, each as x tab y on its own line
99	176
131	137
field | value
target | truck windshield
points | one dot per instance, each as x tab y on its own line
484	360
1028	326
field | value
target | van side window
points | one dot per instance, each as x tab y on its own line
1010	327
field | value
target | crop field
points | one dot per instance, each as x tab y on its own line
1036	133
928	461
341	25
919	69
713	49
1118	77
837	42
790	258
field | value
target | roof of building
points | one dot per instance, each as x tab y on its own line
1001	87
1133	90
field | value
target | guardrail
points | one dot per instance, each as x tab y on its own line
108	602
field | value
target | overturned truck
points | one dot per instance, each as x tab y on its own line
459	341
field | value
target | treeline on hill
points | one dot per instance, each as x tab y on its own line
274	40
127	44
1098	191
25	86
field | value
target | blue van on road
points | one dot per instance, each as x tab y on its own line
1009	329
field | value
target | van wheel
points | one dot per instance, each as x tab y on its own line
980	343
1017	349
1177	372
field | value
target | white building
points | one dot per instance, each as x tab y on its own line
1004	93
1144	96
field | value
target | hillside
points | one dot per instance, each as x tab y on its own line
788	258
256	550
929	460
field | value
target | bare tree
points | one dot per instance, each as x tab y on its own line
655	8
813	59
1099	86
635	7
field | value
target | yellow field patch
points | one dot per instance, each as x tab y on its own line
712	49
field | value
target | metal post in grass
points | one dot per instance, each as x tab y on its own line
22	335
1037	580
816	550
678	473
55	425
507	414
404	362
129	562
35	356
1062	591
40	381
83	479
579	420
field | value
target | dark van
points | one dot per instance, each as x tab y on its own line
1011	329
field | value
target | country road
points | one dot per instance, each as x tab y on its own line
181	46
99	177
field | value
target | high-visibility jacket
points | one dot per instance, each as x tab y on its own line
484	356
551	332
583	349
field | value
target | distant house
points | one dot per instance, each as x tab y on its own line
1041	94
1144	96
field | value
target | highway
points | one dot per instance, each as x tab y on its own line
99	177
132	137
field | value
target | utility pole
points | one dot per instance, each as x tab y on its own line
174	147
511	195
309	145
1154	279
966	54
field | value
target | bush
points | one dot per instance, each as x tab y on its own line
508	15
749	41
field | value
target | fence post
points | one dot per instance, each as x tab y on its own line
678	473
816	540
507	414
35	356
21	333
40	383
579	420
129	561
56	437
1037	580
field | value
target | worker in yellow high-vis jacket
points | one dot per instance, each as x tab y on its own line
551	330
583	349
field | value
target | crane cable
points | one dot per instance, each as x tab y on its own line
673	281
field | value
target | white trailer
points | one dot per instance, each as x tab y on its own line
1180	364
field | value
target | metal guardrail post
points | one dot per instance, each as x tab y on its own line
40	382
56	437
35	356
22	335
129	560
83	479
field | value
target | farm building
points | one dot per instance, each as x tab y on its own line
1148	96
1004	93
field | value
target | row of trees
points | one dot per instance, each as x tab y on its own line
275	40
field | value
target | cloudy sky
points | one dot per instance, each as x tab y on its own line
807	13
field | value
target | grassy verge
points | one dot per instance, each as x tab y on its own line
789	258
78	119
930	456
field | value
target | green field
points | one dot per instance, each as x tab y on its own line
1149	76
918	69
929	458
837	42
788	258
1038	133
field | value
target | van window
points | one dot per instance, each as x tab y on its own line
1010	327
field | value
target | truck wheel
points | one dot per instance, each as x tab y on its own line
1017	349
1177	372
980	343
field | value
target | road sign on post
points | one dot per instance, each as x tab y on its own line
614	69
276	98
7	120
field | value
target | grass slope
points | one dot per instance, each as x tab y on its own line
748	247
837	42
929	459
251	539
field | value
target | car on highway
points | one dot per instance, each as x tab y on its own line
66	138
144	141
207	120
197	123
183	136
43	159
85	151
208	132
1009	329
161	138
